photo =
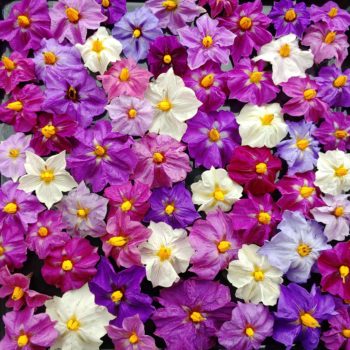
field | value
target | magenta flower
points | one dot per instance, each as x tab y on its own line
71	19
224	7
27	23
304	101
114	10
72	265
161	161
206	42
20	110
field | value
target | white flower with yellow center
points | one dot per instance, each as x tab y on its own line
215	190
173	104
80	322
333	172
286	58
255	279
99	50
262	126
166	254
47	178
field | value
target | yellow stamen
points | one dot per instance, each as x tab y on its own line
264	218
170	5
105	3
100	151
72	15
48	131
133	339
302	144
249	331
338	211
219	195
132	113
167	59
136	33
164	253
67	265
308	321
8	63
207	41
306	191
261	168
158	158
82	213
333	12
50	58
117	296
14	153
330	37
10	208
341	134
126	205
2	250
340	81
255	77
118	241
285	50
224	246
16	106
73	324
245	23
17	293
43	231
47	176
341	171
22	340
214	135
124	74
258	275
344	271
267	119
23	21
290	15
169	209
309	94
97	46
346	333
207	81
304	249
164	105
196	317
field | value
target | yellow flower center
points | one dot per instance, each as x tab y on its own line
302	144
48	131
8	63
73	324
17	293
117	296
245	23
72	94
136	33
97	46
255	77
290	15
23	21
224	246
2	250
338	211
306	191
214	135
158	158
124	74
285	50
304	249
118	241
267	119
197	317
164	105
132	113
341	134
164	253
330	37
308	321
249	331
258	275
126	205
49	58
309	94
207	41
82	213
22	340
72	15
133	339
261	168
100	151
346	333
67	265
207	81
170	5
43	231
167	59
264	218
340	81
344	271
341	171
333	12
47	176
105	3
14	152
10	208
219	195
169	209
16	106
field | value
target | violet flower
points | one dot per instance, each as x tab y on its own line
114	10
224	7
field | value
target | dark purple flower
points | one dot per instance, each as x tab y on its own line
224	7
114	10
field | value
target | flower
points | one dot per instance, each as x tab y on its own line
173	206
120	292
101	157
299	314
15	69
289	17
99	50
255	168
211	138
248	82
217	7
166	253
20	110
193	311
333	172
71	265
173	104
27	23
255	279
12	155
296	247
48	178
131	334
29	331
174	14
80	322
261	126
71	19
130	115
125	77
286	58
83	212
326	43
215	190
166	52
161	161
215	244
114	10
249	326
136	30
123	238
206	42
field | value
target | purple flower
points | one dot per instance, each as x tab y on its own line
120	292
211	138
71	19
300	151
206	42
74	93
114	10
249	326
289	17
166	52
192	313
131	335
101	157
172	205
299	314
226	7
27	23
136	30
27	331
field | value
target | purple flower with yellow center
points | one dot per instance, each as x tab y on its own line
71	19
300	314
226	7
136	30
206	42
211	138
289	17
249	24
192	313
27	23
300	151
121	292
209	84
172	205
101	157
114	10
249	82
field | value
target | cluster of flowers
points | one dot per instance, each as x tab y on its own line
160	178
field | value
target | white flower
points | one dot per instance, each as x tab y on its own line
80	322
286	58
262	126
173	104
47	178
99	50
215	190
166	253
333	172
255	279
